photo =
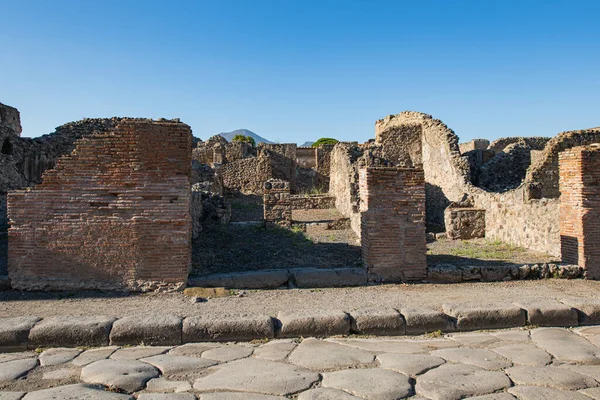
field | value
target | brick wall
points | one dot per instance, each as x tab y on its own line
392	205
580	208
114	214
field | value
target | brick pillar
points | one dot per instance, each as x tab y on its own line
393	223
277	203
580	208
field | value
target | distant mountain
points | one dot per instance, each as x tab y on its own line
307	144
230	135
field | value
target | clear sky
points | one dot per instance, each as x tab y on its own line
293	71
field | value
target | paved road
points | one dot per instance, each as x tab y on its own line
542	363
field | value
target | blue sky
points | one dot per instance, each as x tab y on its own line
299	70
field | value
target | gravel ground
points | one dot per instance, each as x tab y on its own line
14	303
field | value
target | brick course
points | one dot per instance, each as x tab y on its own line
114	214
392	205
579	185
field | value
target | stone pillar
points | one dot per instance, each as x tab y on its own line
277	203
579	185
392	205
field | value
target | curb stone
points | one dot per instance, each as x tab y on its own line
266	279
334	277
16	333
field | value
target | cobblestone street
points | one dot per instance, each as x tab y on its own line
541	363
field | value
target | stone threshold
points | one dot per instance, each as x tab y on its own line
30	332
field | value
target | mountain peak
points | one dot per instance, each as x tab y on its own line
246	132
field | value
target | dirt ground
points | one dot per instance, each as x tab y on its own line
14	303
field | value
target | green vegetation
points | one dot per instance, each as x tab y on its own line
247	139
324	140
490	250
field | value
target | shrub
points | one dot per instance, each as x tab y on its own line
324	140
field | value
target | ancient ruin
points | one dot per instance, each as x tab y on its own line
133	192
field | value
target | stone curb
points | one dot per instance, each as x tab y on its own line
20	333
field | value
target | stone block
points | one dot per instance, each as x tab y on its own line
444	273
14	332
378	321
316	277
588	310
266	279
225	328
549	313
319	323
464	223
474	317
70	331
425	320
151	330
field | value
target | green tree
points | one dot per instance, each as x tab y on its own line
324	140
247	139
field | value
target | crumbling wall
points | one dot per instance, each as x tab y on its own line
306	157
475	144
323	166
114	214
282	157
277	203
393	223
245	176
343	183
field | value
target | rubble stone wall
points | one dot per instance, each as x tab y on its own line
306	157
393	223
277	203
114	214
245	176
580	208
343	183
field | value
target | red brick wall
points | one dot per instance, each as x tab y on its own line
115	214
392	202
580	208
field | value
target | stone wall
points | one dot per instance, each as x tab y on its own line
580	208
393	223
464	223
343	183
277	203
475	144
114	214
323	166
306	157
313	202
245	176
282	158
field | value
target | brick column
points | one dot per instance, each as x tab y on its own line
277	203
392	205
580	208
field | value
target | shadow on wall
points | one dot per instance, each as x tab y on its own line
435	204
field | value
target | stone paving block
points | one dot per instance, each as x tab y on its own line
14	332
543	393
165	385
553	377
593	371
474	339
549	313
372	383
11	370
127	375
135	353
89	356
318	323
57	356
76	392
266	279
228	353
193	349
424	320
151	330
474	317
593	393
258	376
565	346
70	331
409	364
61	374
16	356
378	321
482	358
514	335
276	350
225	328
524	354
11	395
166	396
494	396
330	277
320	355
326	394
238	396
170	364
451	382
379	346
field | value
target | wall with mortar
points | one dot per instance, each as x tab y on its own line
393	223
115	214
306	157
580	208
